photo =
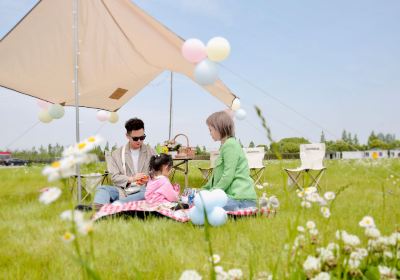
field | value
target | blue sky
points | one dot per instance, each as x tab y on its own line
332	65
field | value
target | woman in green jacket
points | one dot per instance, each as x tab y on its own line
231	171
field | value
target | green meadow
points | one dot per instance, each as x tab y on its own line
31	245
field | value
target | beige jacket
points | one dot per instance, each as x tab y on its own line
119	177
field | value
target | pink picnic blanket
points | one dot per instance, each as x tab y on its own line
166	209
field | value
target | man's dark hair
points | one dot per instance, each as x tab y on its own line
134	124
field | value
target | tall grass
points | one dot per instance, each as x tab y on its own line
160	248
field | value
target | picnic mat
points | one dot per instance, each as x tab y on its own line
143	208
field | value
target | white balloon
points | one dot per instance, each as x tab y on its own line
218	49
206	72
196	215
44	116
56	111
218	198
236	104
240	114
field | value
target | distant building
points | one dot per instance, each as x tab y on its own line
353	154
394	153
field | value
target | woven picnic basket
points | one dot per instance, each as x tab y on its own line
184	151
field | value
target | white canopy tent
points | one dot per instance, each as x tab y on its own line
92	53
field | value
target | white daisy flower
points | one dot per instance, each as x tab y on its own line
75	215
85	227
215	259
260	187
322	276
325	212
305	204
366	222
68	237
300	229
190	275
312	264
387	272
310	190
49	195
235	273
310	225
329	195
372	232
265	184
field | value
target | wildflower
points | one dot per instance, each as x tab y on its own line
388	254
325	255
218	269
367	222
310	190
68	237
333	246
265	184
312	264
305	204
300	194
273	202
313	197
372	232
353	263
215	259
263	275
49	195
313	231
85	227
190	275
260	187
362	252
235	273
387	272
76	216
300	229
310	225
322	276
329	195
325	212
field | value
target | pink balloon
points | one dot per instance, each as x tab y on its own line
102	115
43	104
194	50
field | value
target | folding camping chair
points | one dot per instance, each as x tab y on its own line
311	156
206	172
89	182
255	158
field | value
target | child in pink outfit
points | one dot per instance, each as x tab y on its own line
159	189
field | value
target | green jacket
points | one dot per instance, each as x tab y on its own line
231	172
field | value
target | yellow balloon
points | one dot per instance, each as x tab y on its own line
113	117
44	116
218	49
235	104
375	155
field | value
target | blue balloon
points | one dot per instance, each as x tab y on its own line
198	202
206	72
218	198
217	217
196	215
240	114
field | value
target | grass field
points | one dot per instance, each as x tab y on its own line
159	248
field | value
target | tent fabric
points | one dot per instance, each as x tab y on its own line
121	50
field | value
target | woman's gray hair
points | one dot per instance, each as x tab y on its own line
223	123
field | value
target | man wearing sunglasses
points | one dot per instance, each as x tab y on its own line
128	167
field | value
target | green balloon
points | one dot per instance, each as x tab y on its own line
56	111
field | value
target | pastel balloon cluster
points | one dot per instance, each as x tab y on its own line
103	116
236	111
194	51
49	111
212	202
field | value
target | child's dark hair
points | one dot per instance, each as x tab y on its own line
134	124
157	162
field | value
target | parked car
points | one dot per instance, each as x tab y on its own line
15	161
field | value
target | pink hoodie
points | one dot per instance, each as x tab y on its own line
160	189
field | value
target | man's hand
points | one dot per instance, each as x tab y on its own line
139	179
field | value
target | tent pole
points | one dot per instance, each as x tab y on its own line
170	108
76	90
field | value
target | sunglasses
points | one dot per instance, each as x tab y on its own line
141	138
